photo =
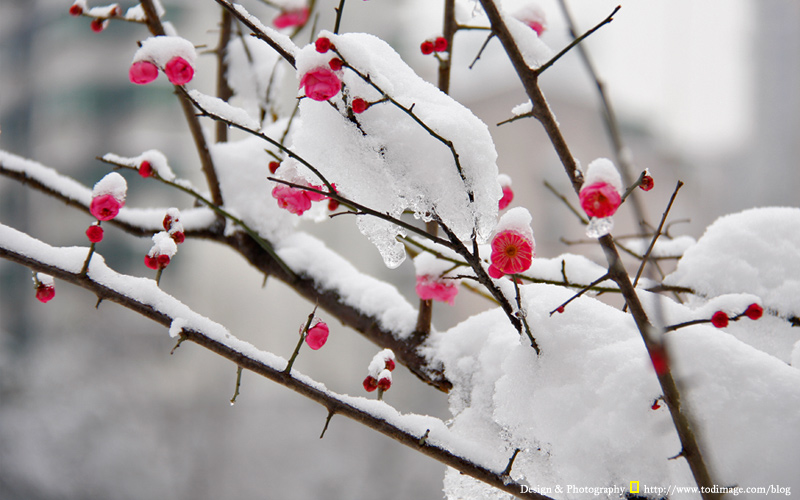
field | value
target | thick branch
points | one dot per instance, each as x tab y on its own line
617	272
436	444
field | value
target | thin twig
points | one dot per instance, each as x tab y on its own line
646	255
576	41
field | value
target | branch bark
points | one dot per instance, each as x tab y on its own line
529	78
433	443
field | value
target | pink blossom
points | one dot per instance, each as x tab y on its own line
359	105
754	311
142	72
179	71
321	84
292	199
719	319
600	199
370	383
317	335
512	252
105	207
146	169
433	287
45	293
288	18
95	233
508	197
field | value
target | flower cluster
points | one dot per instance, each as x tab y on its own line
174	54
720	319
165	243
45	287
380	372
438	44
99	15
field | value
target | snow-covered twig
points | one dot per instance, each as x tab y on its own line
143	296
529	79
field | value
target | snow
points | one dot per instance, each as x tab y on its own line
756	251
603	170
282	40
307	255
581	411
252	64
517	219
193	218
664	248
158	161
242	169
390	163
113	184
222	109
522	109
534	51
160	49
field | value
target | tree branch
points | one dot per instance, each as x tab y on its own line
157	305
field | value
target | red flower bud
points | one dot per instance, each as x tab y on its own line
97	25
273	166
719	319
385	383
178	236
45	293
359	105
75	10
95	233
647	183
370	383
335	64
145	169
440	44
426	47
323	44
655	406
151	262
390	365
754	311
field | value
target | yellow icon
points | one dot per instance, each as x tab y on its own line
634	486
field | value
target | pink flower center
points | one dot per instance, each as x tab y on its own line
512	253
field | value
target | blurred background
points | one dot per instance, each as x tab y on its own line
92	405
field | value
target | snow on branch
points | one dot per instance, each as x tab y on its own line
426	434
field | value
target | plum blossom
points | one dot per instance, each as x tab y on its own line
647	181
321	84
317	335
512	253
600	200
600	194
162	251
754	311
359	105
295	200
179	71
95	233
45	287
719	319
142	72
108	196
435	288
290	18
